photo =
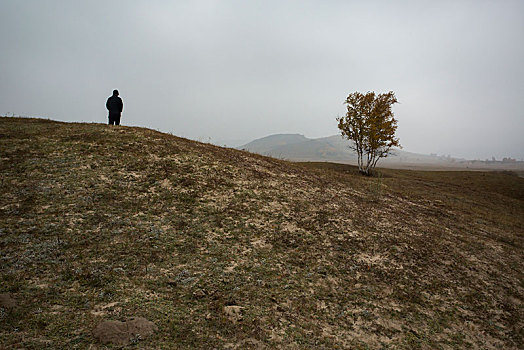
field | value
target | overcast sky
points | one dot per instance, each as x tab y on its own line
224	70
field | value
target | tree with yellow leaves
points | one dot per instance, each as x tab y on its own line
371	125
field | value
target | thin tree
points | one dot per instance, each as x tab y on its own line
370	124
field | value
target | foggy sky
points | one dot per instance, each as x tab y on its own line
219	70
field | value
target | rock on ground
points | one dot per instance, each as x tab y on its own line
7	302
121	333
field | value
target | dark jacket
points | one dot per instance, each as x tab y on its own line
114	105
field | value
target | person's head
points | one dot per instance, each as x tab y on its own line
115	92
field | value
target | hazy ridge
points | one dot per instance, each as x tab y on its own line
296	147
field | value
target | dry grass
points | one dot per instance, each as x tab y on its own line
227	249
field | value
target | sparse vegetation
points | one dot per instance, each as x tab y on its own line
225	249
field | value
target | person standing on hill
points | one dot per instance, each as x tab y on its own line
115	106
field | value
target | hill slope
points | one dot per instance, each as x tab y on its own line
333	148
223	248
268	144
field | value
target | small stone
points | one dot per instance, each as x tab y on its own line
7	302
233	313
122	333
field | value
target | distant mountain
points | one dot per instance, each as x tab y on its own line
334	148
269	145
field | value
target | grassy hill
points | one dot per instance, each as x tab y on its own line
269	144
333	148
222	248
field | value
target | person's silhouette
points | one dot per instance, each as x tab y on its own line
115	106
